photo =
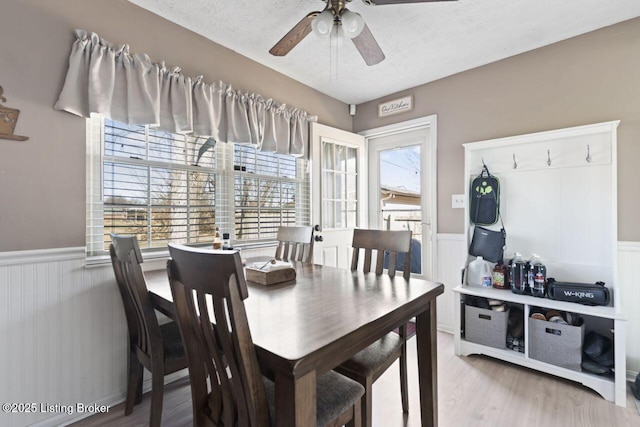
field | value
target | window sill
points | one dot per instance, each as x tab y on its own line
156	260
257	245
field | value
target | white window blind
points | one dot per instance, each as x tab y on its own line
270	190
165	187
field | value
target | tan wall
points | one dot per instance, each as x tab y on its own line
591	78
42	180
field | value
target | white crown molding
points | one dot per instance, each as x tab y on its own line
543	136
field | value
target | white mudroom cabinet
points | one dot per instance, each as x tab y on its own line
558	199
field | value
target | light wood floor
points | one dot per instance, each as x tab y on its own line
473	391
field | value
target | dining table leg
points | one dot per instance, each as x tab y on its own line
296	400
426	335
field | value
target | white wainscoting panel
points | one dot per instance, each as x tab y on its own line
451	256
64	334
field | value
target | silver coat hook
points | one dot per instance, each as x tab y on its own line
548	158
588	154
515	164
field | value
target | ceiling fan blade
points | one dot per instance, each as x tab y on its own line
383	2
294	36
368	47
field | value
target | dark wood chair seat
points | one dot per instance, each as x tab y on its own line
227	387
368	364
158	348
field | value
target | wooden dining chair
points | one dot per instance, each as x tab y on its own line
227	387
295	244
155	347
367	365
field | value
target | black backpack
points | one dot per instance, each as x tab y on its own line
484	195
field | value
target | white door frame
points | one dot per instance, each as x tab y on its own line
427	122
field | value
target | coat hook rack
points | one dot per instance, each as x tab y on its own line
8	120
548	157
484	166
588	159
515	164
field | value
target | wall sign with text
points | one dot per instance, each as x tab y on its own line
400	105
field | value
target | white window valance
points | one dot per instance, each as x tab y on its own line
129	88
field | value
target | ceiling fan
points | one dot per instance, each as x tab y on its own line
336	15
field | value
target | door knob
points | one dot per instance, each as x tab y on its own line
316	227
319	239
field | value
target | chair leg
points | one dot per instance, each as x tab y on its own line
139	387
134	383
404	393
157	388
366	403
356	420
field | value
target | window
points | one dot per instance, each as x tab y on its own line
165	187
269	190
339	191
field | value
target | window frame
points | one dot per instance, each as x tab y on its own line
224	172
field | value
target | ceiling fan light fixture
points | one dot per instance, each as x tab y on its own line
352	23
322	24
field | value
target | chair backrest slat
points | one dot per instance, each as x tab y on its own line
393	258
220	351
297	251
380	262
295	244
285	252
367	260
355	258
390	241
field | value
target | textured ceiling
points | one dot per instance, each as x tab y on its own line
422	42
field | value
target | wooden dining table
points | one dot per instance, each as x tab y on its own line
306	327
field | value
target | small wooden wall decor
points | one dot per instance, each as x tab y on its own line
8	121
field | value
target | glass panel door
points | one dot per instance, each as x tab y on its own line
400	177
337	188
